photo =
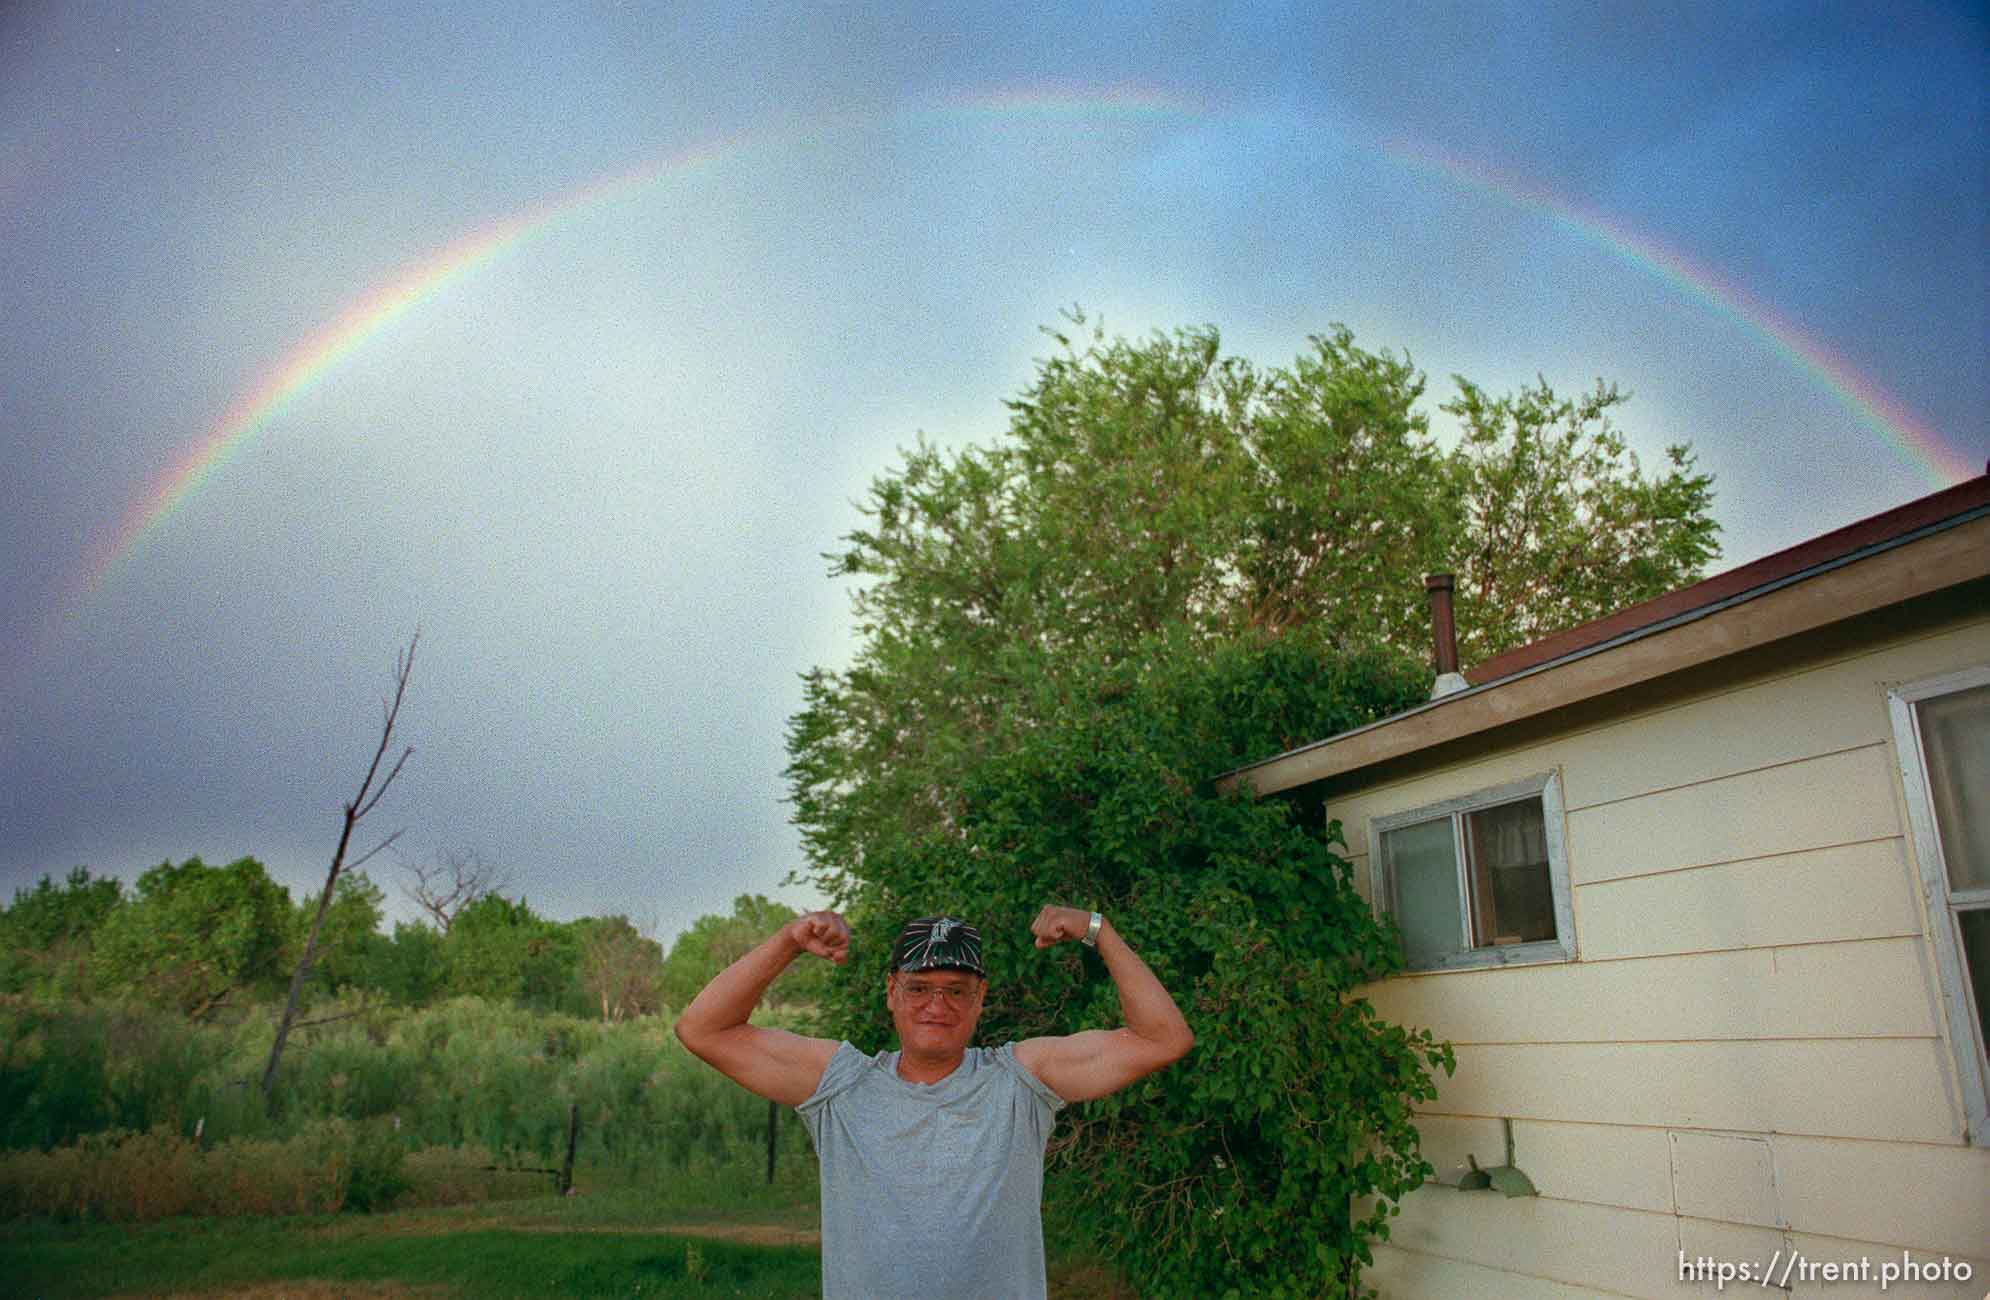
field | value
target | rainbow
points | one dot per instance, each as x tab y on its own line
1918	442
299	370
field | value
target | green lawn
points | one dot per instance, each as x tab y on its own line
537	1248
621	1243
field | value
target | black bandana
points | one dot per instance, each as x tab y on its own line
938	943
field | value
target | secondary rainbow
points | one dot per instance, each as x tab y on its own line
304	365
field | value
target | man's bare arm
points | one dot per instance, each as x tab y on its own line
774	1063
1082	1066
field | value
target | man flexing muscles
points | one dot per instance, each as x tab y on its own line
932	1155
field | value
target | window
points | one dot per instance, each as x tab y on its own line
1942	728
1477	881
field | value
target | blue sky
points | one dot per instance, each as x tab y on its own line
598	469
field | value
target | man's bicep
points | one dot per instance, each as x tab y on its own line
1090	1064
773	1063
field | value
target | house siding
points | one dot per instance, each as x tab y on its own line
1748	1053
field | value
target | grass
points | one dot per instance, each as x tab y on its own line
532	1248
490	1263
617	1243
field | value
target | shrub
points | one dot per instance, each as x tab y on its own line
1244	1160
153	1060
267	1177
374	1175
54	1081
460	1176
123	1176
115	1176
373	1110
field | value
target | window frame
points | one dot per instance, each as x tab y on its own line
1547	786
1965	1021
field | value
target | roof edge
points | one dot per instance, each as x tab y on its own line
1804	557
1927	516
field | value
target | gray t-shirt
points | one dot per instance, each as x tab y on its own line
931	1191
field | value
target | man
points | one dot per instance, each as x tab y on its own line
932	1156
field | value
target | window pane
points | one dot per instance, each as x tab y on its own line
1955	731
1424	861
1975	927
1512	900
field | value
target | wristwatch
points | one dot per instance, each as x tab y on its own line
1091	939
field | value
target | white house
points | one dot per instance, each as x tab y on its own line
1701	895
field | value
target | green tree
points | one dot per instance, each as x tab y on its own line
1350	502
46	937
504	951
410	967
1175	563
1244	1160
620	967
1159	485
1561	525
713	943
350	946
193	936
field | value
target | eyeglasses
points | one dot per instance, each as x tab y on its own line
953	996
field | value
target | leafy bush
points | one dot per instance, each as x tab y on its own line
123	1176
45	937
54	1076
193	936
271	1176
1244	1160
461	1176
381	1107
69	1071
153	1061
114	1175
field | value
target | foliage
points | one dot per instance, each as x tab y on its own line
621	966
349	942
713	943
408	967
1244	1160
194	935
468	1082
68	1070
503	950
45	937
54	936
1176	563
1161	487
1350	502
48	914
126	1176
54	1077
1560	531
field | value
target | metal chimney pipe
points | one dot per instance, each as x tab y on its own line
1449	680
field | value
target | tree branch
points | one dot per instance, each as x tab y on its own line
360	805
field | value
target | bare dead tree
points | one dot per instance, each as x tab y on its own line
371	789
454	880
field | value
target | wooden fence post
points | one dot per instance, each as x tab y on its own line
573	1140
